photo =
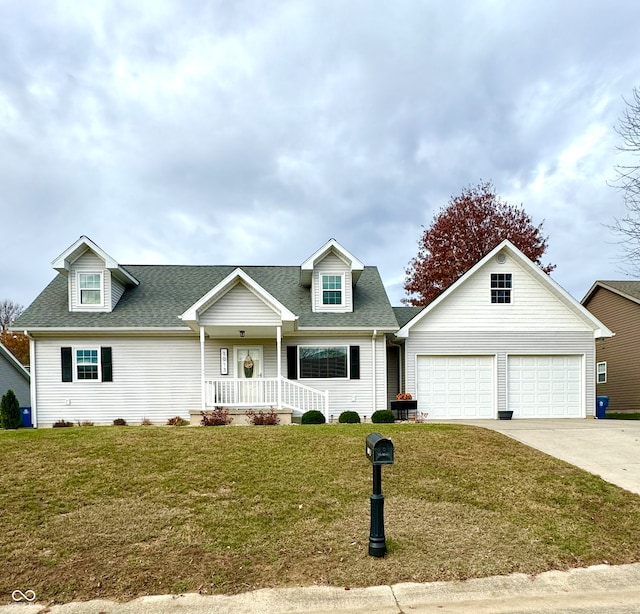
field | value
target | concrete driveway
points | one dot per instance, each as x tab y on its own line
608	448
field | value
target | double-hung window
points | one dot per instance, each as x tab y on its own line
90	288
332	289
601	373
87	364
501	286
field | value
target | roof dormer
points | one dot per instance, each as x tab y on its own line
96	282
331	273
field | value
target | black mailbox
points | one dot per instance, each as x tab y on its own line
379	449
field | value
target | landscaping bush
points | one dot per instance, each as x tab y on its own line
383	416
85	423
62	424
177	421
262	418
10	417
217	417
313	417
349	417
119	422
146	422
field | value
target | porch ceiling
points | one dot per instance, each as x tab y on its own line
250	332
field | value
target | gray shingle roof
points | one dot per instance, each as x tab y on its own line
631	288
167	291
406	314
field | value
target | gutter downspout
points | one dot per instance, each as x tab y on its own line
33	396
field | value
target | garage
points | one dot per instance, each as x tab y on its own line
450	387
545	386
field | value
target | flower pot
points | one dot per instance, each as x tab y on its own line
505	415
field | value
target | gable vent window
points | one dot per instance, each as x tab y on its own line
90	286
501	287
332	289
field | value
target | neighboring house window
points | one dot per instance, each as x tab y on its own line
90	288
601	370
501	287
332	289
323	361
86	364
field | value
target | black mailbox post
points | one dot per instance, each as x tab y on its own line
380	452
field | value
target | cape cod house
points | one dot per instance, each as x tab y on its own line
155	341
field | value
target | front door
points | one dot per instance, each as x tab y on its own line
249	366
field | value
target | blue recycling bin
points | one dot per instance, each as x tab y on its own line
26	417
601	406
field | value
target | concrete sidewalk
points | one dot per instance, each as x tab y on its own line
594	589
608	448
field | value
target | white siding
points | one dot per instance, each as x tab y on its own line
332	265
153	377
240	307
350	394
117	290
534	307
501	344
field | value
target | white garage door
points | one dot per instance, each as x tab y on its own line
456	386
544	386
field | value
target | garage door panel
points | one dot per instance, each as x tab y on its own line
456	386
544	386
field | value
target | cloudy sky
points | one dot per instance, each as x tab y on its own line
251	132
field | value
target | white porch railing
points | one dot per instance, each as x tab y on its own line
263	392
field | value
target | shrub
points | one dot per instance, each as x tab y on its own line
349	417
119	422
84	423
10	417
383	416
262	418
177	421
217	417
146	422
313	417
62	424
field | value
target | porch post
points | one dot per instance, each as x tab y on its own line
203	389
279	363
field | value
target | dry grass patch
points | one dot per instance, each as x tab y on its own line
117	513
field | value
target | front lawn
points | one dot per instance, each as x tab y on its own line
119	512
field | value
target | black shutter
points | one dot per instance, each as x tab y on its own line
105	361
292	362
67	364
354	360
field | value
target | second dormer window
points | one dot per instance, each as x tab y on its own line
90	288
332	289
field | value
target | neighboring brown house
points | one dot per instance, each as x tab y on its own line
617	305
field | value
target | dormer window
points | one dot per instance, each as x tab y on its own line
332	289
90	289
501	287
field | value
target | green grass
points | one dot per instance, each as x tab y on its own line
622	416
121	512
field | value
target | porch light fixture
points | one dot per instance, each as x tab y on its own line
242	334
